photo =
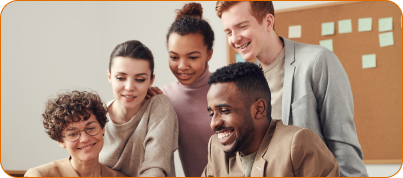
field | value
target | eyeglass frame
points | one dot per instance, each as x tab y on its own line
79	131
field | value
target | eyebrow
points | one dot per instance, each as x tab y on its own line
193	52
89	123
238	24
219	105
135	75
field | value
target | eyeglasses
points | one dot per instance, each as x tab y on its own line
72	134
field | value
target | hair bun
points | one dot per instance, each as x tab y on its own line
191	9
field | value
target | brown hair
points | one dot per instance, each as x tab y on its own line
135	50
189	21
259	9
67	107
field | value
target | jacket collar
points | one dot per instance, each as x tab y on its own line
262	155
289	70
235	167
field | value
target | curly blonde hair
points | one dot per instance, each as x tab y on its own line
68	107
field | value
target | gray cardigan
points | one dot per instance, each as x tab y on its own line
317	95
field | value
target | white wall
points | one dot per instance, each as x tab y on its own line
50	46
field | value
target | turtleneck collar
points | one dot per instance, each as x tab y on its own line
201	81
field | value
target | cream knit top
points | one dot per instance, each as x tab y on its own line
274	74
144	146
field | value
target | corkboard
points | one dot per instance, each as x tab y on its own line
377	91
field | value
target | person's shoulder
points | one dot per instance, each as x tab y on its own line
160	105
285	128
161	98
108	172
304	47
294	133
109	102
285	131
307	51
46	169
34	172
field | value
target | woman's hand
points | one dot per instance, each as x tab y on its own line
153	91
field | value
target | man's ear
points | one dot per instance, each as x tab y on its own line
260	109
62	144
269	19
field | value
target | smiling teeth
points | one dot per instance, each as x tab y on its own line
184	75
244	46
85	148
129	96
224	134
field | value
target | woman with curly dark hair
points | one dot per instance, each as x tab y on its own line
76	120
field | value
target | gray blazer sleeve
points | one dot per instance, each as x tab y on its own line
335	108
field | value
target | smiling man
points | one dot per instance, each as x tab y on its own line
308	84
248	142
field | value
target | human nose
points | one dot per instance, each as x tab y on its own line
183	65
129	86
236	38
216	122
84	137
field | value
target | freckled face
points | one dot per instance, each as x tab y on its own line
130	80
188	56
231	120
87	147
245	35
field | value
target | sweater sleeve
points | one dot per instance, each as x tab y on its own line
161	140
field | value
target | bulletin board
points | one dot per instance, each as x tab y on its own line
377	91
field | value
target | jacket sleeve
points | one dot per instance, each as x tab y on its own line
208	169
161	140
310	156
332	90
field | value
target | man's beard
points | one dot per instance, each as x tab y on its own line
245	132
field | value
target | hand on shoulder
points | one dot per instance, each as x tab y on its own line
153	91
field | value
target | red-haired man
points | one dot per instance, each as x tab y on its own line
309	86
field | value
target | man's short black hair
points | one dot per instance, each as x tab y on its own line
249	80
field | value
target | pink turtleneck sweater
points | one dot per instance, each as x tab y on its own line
190	104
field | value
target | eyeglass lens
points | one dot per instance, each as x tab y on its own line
73	134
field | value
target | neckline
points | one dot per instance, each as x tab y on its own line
128	124
100	167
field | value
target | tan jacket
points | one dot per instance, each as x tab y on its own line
286	151
63	168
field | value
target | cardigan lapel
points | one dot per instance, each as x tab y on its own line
289	70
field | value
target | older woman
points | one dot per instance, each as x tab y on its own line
76	120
